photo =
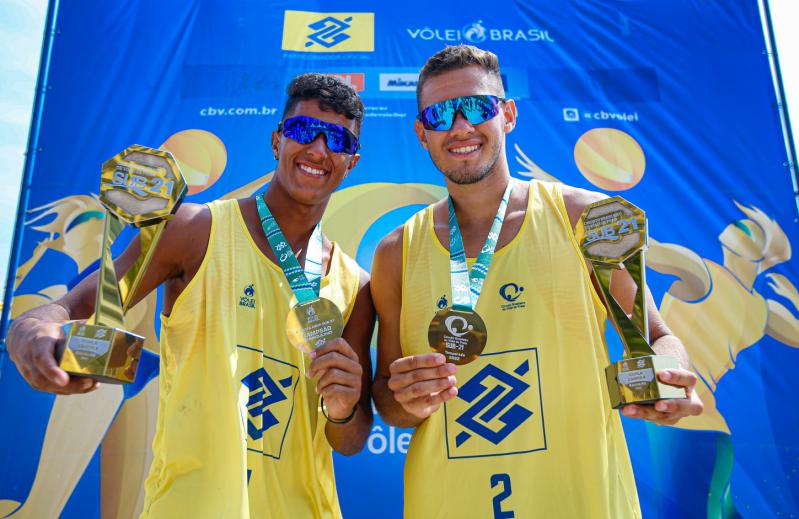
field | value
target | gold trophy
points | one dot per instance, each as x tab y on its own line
613	236
142	187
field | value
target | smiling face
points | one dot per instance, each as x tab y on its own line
466	153
310	173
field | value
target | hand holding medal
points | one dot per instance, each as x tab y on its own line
458	331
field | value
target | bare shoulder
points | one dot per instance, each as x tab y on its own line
187	233
248	207
387	263
391	245
192	220
576	199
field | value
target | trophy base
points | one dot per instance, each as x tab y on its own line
633	381
100	352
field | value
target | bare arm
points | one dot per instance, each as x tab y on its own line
406	390
345	376
33	335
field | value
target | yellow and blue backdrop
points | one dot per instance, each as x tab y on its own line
670	104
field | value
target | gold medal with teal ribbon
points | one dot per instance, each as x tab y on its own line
313	320
458	332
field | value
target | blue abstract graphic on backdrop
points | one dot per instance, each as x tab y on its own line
670	104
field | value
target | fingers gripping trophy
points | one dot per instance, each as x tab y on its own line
612	234
142	187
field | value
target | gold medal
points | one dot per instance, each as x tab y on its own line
310	325
460	335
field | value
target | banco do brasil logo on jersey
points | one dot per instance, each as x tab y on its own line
503	405
498	410
267	401
308	31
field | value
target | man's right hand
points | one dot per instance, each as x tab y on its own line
32	345
421	383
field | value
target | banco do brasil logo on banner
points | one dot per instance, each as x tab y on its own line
307	31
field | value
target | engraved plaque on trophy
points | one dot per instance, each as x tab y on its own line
612	234
142	187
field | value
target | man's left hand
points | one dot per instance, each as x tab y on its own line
669	412
338	372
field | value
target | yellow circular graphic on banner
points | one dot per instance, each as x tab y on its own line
201	156
610	159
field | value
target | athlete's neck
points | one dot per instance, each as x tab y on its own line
296	220
476	204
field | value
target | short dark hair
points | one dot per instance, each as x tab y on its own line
331	92
455	57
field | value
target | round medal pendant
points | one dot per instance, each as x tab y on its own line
459	335
310	325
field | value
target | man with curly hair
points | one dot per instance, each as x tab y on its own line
237	433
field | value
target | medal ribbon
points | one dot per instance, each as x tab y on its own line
304	283
466	285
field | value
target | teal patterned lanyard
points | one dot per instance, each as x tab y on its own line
466	286
304	284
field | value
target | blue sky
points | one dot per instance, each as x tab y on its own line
21	29
21	26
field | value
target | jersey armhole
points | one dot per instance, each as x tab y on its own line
200	271
557	191
405	245
346	261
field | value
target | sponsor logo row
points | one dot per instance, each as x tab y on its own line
388	82
311	31
402	83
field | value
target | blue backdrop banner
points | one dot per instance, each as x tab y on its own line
670	104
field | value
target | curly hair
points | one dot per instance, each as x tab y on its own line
455	57
331	92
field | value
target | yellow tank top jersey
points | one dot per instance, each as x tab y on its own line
233	437
531	432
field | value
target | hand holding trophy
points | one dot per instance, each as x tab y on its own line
142	187
612	234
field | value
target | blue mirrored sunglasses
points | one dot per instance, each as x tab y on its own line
476	110
305	129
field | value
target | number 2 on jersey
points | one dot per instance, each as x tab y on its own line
504	493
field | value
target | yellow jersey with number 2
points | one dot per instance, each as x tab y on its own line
531	432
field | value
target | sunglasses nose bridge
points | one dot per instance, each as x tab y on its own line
460	121
319	143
